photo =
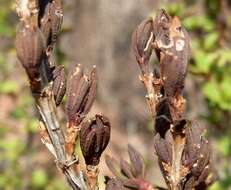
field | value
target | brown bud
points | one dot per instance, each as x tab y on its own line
30	49
56	17
59	84
51	17
94	138
163	149
81	92
194	134
142	39
114	184
196	155
171	45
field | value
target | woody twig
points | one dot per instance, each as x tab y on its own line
40	23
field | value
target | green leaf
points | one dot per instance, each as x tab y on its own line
211	40
206	23
199	22
211	91
3	181
33	125
9	87
204	61
191	23
6	30
225	105
18	112
216	186
226	87
175	8
225	57
39	179
224	145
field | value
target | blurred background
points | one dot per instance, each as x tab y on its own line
99	33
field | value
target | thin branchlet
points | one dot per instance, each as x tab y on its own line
37	34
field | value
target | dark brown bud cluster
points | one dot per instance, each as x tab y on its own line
183	152
130	175
194	162
170	41
94	138
172	49
36	37
81	92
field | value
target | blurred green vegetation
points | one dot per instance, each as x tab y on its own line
209	24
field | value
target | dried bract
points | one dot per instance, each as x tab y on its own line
163	149
94	138
81	92
59	84
141	43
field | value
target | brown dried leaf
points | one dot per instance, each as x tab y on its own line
113	166
137	163
125	168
